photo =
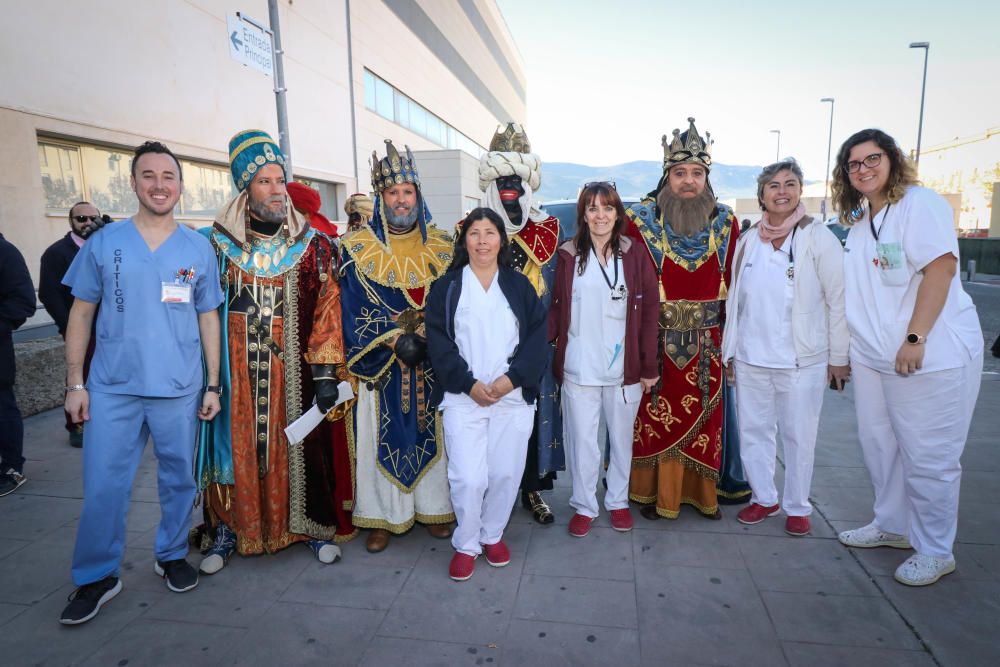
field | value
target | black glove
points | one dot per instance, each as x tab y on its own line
325	386
411	349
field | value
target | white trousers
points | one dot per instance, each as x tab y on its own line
582	407
486	456
912	432
786	401
378	503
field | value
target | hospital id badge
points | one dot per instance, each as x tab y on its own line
892	263
175	292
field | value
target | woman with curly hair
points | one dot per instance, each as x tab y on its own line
916	352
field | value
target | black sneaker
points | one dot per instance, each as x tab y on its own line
180	576
87	600
10	481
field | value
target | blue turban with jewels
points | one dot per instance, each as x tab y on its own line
250	150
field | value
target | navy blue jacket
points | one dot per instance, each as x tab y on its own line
527	363
17	303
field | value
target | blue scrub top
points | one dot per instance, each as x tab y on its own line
145	347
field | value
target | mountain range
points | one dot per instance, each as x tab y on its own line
562	180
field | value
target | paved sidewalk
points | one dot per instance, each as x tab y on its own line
685	592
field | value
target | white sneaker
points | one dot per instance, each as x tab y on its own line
326	552
921	570
870	536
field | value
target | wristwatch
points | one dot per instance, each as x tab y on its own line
914	338
216	388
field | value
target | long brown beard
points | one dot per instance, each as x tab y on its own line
687	217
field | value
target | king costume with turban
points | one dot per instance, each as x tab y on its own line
509	175
680	446
397	440
282	343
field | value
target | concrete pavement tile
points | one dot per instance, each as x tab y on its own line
9	546
841	620
824	655
403	550
56	469
978	523
653	550
432	606
883	562
841	476
700	615
422	653
148	642
32	573
352	582
985	556
804	565
308	635
837	503
27	517
957	618
72	488
691	521
36	637
576	600
9	611
839	449
569	645
980	485
603	554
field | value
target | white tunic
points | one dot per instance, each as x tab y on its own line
881	283
486	332
765	314
595	347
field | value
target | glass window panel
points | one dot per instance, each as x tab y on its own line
108	186
207	188
435	129
327	197
61	175
369	80
418	119
383	99
402	109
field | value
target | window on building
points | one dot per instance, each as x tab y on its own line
327	195
61	179
394	105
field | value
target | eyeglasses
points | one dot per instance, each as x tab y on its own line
85	218
610	184
872	161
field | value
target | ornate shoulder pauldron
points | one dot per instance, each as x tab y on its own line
692	252
377	262
264	257
539	240
644	216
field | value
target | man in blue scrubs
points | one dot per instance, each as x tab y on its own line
157	285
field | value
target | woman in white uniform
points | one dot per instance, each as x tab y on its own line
486	342
785	339
603	318
916	352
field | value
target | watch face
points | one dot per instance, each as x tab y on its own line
912	338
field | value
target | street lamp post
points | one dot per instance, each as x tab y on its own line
777	150
829	146
926	46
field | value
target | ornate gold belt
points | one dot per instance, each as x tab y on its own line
681	315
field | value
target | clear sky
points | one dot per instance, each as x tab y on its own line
607	78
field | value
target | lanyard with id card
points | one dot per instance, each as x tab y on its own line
889	256
178	291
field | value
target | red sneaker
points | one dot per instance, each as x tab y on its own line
621	520
579	525
461	566
754	513
497	554
797	525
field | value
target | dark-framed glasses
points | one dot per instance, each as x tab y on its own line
610	184
85	218
872	161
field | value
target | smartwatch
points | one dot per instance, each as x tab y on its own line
914	338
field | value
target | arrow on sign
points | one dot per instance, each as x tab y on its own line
237	42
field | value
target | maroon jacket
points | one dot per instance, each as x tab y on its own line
641	319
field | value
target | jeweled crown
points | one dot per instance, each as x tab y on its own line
512	139
687	147
393	169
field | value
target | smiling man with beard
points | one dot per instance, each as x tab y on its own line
387	269
678	448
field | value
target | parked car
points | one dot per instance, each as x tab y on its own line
833	224
565	211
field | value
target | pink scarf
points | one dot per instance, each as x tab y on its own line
769	232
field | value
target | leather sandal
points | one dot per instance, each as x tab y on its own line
439	530
539	509
378	540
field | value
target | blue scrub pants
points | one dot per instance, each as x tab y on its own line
113	444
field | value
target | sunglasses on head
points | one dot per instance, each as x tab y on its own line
610	184
85	218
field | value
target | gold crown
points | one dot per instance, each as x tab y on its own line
393	169
513	139
689	147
